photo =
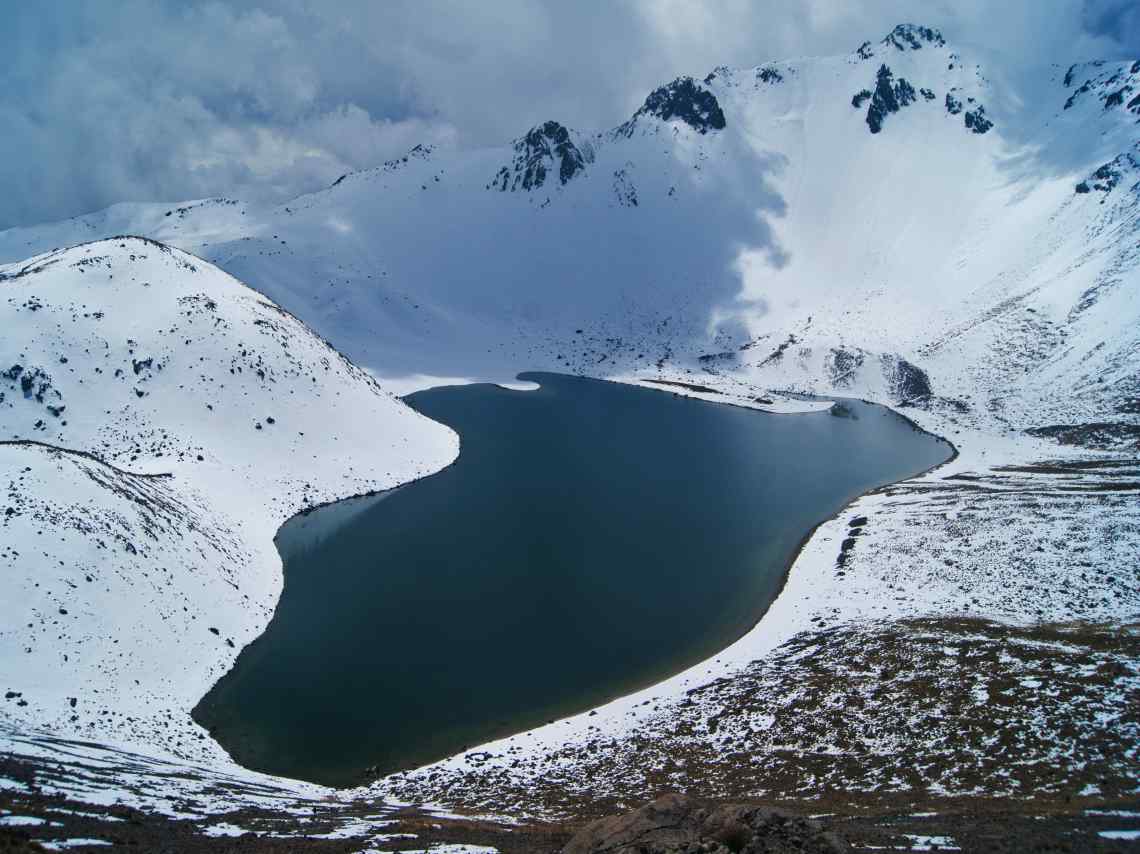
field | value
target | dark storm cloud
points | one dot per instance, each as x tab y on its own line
106	101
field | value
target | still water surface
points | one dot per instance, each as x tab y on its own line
591	539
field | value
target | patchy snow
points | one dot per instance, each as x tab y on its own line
223	828
437	811
446	848
83	814
1119	834
931	843
873	707
77	842
21	821
356	828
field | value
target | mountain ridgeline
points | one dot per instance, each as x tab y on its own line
815	222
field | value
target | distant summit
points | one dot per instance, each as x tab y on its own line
683	100
551	148
546	148
913	37
905	37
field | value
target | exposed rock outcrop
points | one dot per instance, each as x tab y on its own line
546	148
1106	176
904	37
683	100
909	384
677	824
890	96
1115	84
913	37
976	120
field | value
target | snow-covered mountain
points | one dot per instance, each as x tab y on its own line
916	222
812	222
159	421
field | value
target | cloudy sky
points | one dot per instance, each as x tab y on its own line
104	101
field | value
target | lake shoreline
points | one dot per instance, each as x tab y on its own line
599	695
892	578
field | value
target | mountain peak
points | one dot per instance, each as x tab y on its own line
541	150
913	37
683	99
905	37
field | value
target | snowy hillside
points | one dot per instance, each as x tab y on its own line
917	223
808	222
159	422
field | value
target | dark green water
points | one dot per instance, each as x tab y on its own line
591	539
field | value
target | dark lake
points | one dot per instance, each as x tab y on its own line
592	538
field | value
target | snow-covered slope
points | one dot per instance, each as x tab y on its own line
806	222
159	421
916	223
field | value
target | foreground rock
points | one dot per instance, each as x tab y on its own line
674	823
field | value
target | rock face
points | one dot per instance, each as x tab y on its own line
1108	175
904	37
913	37
908	383
545	148
1114	85
678	824
890	96
685	100
842	365
976	121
